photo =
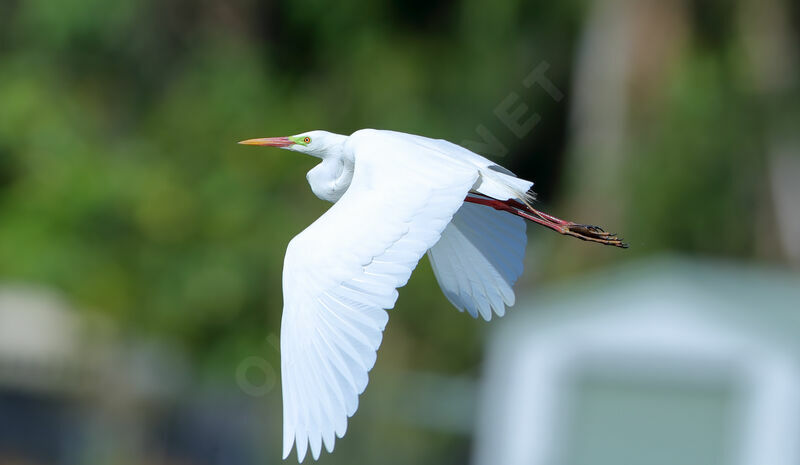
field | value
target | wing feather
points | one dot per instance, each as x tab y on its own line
343	271
479	258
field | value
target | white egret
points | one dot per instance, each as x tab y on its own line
396	196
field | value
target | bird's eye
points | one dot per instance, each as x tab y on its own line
306	139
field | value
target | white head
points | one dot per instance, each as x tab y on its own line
315	143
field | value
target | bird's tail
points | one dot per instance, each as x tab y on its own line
499	183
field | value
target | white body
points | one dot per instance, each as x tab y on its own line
397	196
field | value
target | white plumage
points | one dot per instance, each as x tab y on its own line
395	199
479	258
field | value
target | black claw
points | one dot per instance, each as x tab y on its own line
593	233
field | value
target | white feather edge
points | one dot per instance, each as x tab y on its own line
479	258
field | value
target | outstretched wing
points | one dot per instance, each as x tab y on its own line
342	272
479	258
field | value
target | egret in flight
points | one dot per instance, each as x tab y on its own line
396	196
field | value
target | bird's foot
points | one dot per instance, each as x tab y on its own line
583	232
592	233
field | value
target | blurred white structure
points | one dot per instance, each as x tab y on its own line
671	362
73	388
45	345
40	341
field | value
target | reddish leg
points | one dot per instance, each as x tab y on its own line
568	228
